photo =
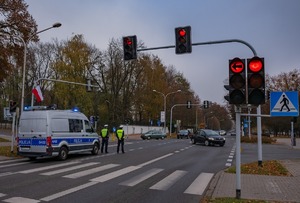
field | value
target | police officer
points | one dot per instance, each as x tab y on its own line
105	137
120	136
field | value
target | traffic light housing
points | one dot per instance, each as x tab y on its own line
237	81
188	104
206	104
256	80
183	40
88	85
130	47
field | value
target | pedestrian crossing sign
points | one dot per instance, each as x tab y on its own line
284	103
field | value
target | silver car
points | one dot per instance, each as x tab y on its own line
153	134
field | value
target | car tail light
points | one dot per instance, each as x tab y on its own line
49	141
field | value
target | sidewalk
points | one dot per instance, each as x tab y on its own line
261	187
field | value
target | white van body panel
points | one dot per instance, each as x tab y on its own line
45	132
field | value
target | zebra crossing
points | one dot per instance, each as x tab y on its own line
78	169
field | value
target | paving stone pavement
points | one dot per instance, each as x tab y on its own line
261	187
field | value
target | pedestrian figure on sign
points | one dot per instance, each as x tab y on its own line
105	137
285	102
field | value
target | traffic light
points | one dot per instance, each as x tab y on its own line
256	81
88	85
188	104
183	40
12	106
237	81
206	104
130	47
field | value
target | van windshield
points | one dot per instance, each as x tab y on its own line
33	125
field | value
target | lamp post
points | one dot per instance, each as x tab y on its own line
206	119
165	103
55	25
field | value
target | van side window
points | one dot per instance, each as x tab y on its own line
75	125
88	127
59	125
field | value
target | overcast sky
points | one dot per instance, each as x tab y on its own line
271	27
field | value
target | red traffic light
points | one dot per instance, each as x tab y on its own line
256	81
183	43
127	41
237	81
182	32
237	65
255	64
130	47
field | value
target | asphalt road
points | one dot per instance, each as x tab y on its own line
171	170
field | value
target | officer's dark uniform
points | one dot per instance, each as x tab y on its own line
105	137
120	136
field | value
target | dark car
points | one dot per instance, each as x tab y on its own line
153	134
183	134
208	137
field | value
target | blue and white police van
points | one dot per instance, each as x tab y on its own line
55	133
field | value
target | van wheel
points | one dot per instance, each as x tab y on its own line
63	153
95	150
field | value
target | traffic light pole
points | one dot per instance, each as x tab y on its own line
206	43
238	151
172	112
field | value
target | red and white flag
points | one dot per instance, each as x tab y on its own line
38	93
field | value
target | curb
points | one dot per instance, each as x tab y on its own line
212	186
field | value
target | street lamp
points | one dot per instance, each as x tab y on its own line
165	103
55	25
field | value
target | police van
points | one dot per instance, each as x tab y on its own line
55	133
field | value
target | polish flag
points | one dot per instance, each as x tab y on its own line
38	93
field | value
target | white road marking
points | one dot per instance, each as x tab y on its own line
137	179
199	184
114	174
20	199
69	169
168	181
48	167
90	171
153	160
69	191
228	164
15	164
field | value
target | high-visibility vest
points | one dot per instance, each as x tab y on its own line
120	133
104	132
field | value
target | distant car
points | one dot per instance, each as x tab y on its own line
208	137
183	134
153	134
222	132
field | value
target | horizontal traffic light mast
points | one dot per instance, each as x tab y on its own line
206	43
